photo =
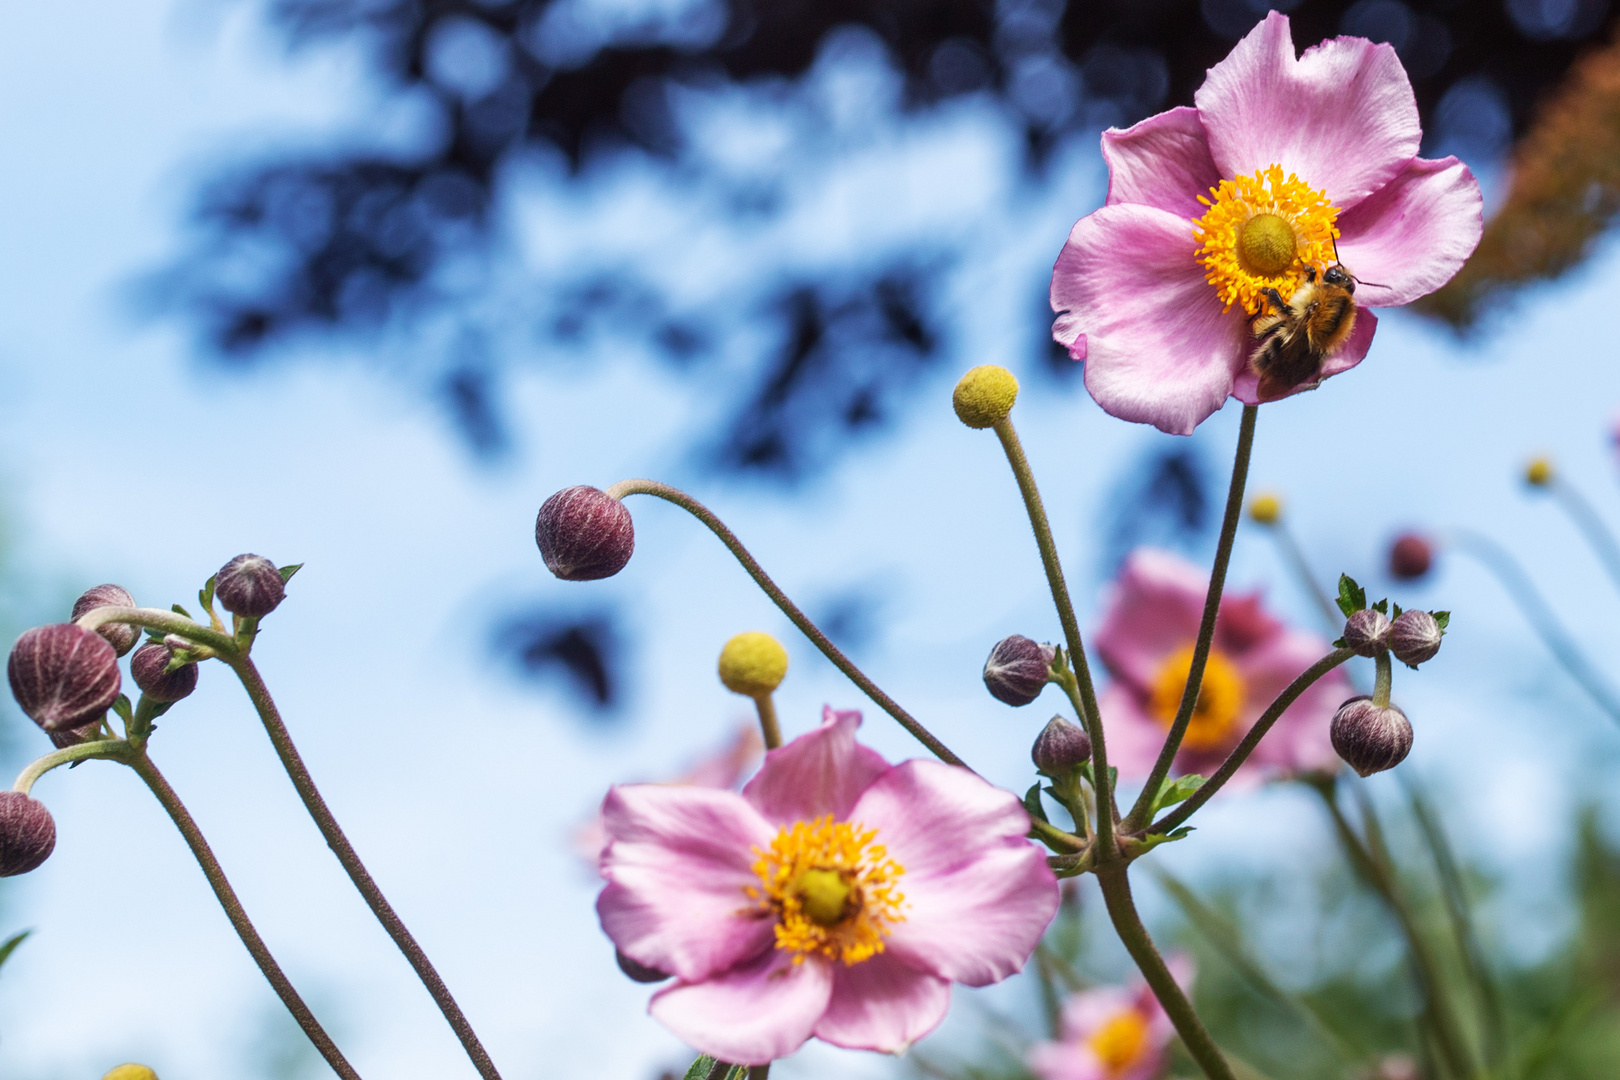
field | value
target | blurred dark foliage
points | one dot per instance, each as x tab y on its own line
1163	501
584	651
348	243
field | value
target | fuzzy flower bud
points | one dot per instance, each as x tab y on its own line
63	675
131	1072
1265	509
985	395
1414	637
1060	748
27	833
1370	739
641	973
584	534
1367	632
753	663
121	636
1018	669
1410	557
249	586
149	667
1539	472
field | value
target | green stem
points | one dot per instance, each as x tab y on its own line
1054	837
1116	890
167	622
1383	676
1241	752
809	629
1206	627
1085	700
108	749
339	843
233	910
1591	526
769	728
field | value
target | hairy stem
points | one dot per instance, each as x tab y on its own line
788	607
111	749
167	622
1383	677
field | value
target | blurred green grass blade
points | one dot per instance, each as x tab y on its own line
11	946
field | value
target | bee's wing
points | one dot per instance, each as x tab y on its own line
1283	361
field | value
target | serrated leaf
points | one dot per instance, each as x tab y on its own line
1352	597
10	946
1032	803
288	571
706	1068
1443	618
1382	607
178	610
1176	791
1394	611
700	1068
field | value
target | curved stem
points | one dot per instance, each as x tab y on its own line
339	843
233	910
1116	890
809	629
1086	704
1206	626
1294	556
167	622
108	749
1241	752
1586	519
1495	558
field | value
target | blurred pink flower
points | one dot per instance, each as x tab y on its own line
1146	641
836	896
1110	1033
1155	291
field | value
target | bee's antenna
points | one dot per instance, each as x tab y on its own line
1358	281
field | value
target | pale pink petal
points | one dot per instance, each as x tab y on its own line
1153	609
752	1014
1242	623
1299	740
882	1004
1134	736
1066	1061
978	895
1408	238
1163	161
1342	116
678	864
821	772
1159	349
1246	388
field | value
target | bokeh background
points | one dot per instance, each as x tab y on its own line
357	283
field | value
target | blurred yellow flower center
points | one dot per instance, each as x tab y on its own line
832	888
1261	232
1122	1042
1220	698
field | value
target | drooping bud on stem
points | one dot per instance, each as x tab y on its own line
249	586
584	534
1018	669
1410	557
1415	637
1060	748
63	675
1367	632
27	833
121	636
1370	738
149	667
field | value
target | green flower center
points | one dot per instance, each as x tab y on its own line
1267	244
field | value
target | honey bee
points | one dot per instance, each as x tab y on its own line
1292	337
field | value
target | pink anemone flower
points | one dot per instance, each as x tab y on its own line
1286	166
1146	641
1110	1033
836	896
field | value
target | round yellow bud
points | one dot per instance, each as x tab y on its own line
985	396
1539	472
131	1072
1265	509
752	664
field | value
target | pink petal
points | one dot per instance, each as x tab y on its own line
1066	1061
1246	388
1134	736
750	1015
821	772
678	863
1299	740
1342	116
1158	348
1153	610
1242	623
883	1004
1163	162
1408	238
978	894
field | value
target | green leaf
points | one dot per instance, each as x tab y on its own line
122	707
706	1068
1395	611
178	610
288	571
700	1068
1443	618
1340	643
1352	597
10	946
1382	607
1153	840
1174	791
1032	803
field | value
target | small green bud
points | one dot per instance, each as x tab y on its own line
753	663
985	396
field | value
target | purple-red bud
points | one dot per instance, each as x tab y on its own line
74	736
1018	669
121	636
1367	632
249	586
1410	557
1060	748
584	533
149	667
1414	637
27	833
63	675
641	973
1370	739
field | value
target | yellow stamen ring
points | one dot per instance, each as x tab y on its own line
1262	232
1220	698
832	889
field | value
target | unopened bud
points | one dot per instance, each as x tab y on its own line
1410	557
121	636
27	833
753	663
249	586
1367	632
1415	637
1060	748
1265	509
63	675
584	534
149	667
641	973
131	1072
984	396
1539	472
1370	738
1018	669
74	736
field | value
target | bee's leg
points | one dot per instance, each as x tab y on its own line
1275	299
